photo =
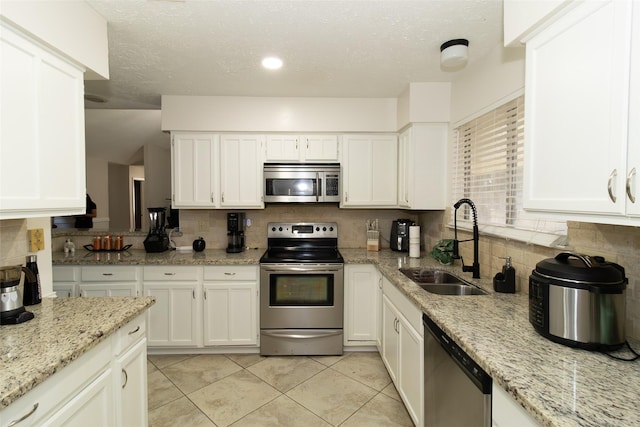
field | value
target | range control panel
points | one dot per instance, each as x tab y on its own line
301	230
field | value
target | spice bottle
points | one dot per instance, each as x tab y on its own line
32	291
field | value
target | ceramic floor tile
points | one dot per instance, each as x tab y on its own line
233	397
367	368
164	360
150	367
281	412
245	360
331	395
284	373
160	390
328	360
196	372
181	412
391	391
380	411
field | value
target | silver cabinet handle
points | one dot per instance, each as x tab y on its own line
346	196
229	274
24	417
632	175
613	175
211	197
222	198
107	274
126	378
135	330
169	274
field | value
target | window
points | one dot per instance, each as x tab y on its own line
488	158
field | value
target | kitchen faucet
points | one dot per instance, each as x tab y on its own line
475	268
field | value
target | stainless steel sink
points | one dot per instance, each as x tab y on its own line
440	282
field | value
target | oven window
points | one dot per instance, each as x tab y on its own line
291	187
301	290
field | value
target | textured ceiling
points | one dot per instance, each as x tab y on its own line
330	48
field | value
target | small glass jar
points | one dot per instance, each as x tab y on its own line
97	243
118	243
106	242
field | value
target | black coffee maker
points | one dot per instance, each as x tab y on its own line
235	232
157	239
399	240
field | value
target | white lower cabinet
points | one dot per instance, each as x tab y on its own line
65	280
403	349
230	305
506	412
175	319
109	281
90	391
361	285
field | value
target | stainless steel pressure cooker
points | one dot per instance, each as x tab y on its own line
579	301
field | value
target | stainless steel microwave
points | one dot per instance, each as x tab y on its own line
301	182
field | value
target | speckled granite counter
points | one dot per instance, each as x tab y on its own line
140	257
557	385
62	330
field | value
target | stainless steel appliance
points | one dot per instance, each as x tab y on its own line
301	182
301	290
399	240
12	310
235	232
457	391
579	301
157	239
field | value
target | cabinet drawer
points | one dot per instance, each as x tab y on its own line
129	334
109	274
65	274
227	272
171	273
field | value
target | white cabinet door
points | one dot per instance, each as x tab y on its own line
93	406
390	338
282	148
577	85
108	289
175	319
320	148
506	412
42	150
633	143
241	165
369	174
194	170
361	302
422	160
131	372
230	313
411	369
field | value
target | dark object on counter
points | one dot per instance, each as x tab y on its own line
475	267
157	239
199	244
399	240
442	251
506	280
85	222
579	301
32	293
235	232
12	310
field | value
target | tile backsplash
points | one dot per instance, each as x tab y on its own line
13	241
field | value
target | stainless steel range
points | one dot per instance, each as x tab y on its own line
301	290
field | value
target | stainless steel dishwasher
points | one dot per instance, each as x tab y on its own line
457	392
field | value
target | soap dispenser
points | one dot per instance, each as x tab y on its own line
506	280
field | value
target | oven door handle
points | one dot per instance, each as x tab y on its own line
281	334
307	269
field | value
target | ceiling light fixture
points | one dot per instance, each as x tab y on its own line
272	63
453	54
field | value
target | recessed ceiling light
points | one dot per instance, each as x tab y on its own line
272	63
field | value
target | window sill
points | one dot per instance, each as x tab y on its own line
538	238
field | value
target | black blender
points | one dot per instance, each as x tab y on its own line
235	232
157	239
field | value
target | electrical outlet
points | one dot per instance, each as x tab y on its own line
248	222
36	239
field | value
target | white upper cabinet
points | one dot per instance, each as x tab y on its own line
580	150
369	171
633	142
194	174
422	159
302	148
42	154
241	165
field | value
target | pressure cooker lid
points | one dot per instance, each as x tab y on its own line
582	268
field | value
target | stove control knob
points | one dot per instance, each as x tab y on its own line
273	229
330	228
317	228
280	229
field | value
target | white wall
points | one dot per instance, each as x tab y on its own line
98	186
264	114
71	27
424	103
498	75
157	176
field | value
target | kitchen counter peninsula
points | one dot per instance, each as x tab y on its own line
63	330
557	385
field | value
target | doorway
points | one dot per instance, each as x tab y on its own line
138	208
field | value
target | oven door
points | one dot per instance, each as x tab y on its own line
301	296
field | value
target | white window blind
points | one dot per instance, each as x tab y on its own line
488	160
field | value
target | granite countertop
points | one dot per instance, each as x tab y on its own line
62	330
557	385
140	257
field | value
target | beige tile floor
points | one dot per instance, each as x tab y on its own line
250	390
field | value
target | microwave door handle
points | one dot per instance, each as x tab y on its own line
319	187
